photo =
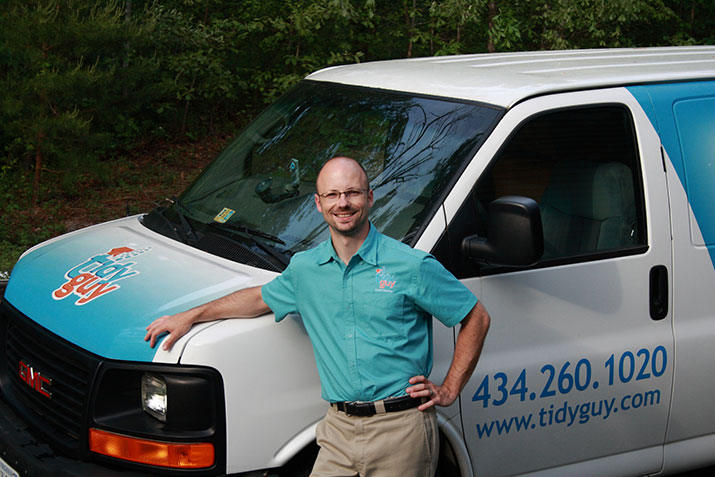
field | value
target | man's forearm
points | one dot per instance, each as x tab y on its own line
245	303
470	341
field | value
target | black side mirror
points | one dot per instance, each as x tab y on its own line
514	234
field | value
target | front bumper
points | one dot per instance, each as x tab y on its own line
30	456
44	426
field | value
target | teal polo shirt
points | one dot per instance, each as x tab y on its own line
370	321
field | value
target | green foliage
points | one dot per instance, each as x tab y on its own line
60	57
20	227
84	81
594	24
9	253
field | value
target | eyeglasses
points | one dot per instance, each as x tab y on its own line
350	194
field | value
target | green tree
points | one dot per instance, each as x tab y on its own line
193	69
61	61
81	80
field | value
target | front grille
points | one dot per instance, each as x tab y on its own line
62	417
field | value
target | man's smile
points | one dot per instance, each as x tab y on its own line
345	214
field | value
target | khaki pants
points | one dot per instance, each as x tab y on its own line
404	443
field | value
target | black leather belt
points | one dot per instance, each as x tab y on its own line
365	409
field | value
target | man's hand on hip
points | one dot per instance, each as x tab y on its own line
436	395
466	354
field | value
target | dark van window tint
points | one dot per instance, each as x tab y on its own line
581	167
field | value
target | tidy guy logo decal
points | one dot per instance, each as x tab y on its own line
98	275
385	281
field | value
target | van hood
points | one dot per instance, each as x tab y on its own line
100	287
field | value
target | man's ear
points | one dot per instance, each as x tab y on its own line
317	203
370	199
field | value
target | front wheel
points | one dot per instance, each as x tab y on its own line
447	465
302	464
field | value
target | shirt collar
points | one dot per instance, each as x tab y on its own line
325	252
368	250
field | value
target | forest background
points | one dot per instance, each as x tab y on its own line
107	107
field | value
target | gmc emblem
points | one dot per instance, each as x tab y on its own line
35	380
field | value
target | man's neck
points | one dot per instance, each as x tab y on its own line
348	245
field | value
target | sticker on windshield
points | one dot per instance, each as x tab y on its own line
98	275
224	215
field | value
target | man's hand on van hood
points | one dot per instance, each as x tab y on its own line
99	288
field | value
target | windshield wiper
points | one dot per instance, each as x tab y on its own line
186	228
248	231
159	221
252	234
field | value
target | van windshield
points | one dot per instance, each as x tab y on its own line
263	183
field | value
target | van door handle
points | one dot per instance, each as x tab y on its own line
658	292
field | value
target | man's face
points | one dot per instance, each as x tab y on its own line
344	215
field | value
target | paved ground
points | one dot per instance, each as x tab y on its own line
707	472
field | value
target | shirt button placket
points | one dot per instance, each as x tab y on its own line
350	340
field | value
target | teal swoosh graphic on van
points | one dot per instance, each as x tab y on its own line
684	116
99	288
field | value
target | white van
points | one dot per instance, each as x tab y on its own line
572	191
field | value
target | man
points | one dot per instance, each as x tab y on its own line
366	301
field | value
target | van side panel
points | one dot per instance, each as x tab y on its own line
684	115
573	352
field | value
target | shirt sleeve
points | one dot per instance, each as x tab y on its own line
441	294
279	294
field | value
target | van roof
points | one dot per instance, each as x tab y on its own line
505	79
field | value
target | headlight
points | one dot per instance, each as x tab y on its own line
132	420
154	398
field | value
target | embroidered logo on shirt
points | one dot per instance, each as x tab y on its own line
385	281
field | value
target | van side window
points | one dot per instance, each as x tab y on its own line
581	167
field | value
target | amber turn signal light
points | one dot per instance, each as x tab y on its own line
163	454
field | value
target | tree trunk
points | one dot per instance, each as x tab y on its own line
38	168
185	117
492	13
411	26
127	48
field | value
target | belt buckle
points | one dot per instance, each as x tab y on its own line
358	408
343	407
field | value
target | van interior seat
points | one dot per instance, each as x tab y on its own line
588	206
